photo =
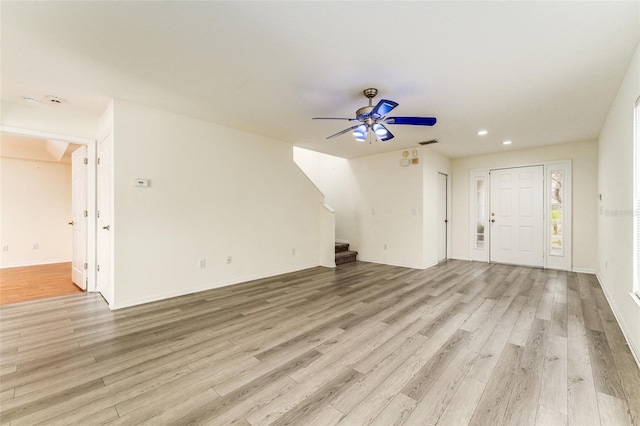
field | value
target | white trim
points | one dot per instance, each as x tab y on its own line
341	241
91	191
48	262
46	135
635	299
583	271
630	344
635	228
402	265
205	287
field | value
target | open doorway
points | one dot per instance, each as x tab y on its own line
41	247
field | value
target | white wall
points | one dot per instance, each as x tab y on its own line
333	177
380	204
36	209
584	157
433	164
615	219
389	210
214	192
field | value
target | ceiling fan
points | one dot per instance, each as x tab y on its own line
372	119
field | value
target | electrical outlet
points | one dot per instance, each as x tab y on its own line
35	246
202	263
229	259
5	248
293	251
384	246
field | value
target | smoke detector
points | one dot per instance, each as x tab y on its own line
54	100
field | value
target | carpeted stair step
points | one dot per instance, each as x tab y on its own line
340	247
344	255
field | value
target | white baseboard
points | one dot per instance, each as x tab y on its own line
20	264
584	271
635	350
402	265
205	287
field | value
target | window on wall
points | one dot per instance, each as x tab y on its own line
557	214
636	202
480	212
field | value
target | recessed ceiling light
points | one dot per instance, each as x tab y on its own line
31	101
507	143
482	132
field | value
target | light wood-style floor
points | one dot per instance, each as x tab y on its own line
24	283
460	343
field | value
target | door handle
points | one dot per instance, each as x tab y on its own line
493	220
71	223
106	228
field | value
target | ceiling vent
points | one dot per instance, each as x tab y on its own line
428	142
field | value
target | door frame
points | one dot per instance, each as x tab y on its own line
91	190
551	260
446	215
79	215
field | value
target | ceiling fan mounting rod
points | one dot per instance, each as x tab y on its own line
370	93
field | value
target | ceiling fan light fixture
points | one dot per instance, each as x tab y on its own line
379	129
360	132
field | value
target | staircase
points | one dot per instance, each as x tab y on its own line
344	255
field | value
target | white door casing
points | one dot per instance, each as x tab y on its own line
442	216
79	210
104	240
517	216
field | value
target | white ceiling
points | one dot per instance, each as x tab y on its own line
533	72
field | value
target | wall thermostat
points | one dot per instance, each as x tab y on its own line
142	183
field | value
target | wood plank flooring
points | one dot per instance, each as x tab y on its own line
460	343
25	283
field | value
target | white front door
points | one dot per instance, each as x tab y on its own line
103	276
442	217
79	216
516	218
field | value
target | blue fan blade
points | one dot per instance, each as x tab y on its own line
344	131
334	118
383	108
386	137
415	121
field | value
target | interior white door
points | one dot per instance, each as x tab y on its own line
442	216
517	216
103	273
79	216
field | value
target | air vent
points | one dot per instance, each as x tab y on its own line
429	142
